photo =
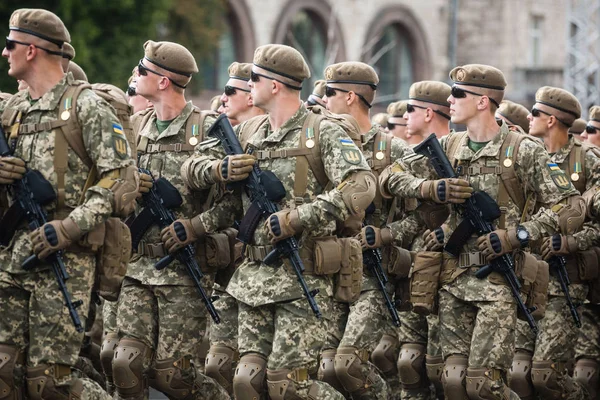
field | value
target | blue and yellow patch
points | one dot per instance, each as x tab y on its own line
558	177
347	142
118	129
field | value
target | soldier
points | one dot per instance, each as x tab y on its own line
216	104
578	128
39	341
380	119
592	128
476	315
161	317
396	123
272	308
78	73
139	103
513	114
236	97
351	88
68	54
316	97
550	118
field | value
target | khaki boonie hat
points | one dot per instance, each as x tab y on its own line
68	51
77	72
578	126
397	109
514	113
430	92
284	61
595	113
240	71
566	104
41	23
171	56
352	72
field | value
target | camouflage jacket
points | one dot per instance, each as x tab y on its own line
167	164
98	122
255	283
534	171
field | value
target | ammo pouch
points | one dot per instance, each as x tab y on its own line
425	281
534	276
587	262
402	294
433	215
398	261
223	276
217	250
589	258
112	258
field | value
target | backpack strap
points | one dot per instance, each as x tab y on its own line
453	142
309	139
575	166
511	188
251	127
382	151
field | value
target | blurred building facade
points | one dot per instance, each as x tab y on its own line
405	40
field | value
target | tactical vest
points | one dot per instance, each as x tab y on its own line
308	152
510	188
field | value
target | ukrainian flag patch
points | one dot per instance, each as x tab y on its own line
553	167
118	129
347	142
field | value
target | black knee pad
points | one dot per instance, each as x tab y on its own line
411	366
11	359
249	378
454	376
385	355
129	367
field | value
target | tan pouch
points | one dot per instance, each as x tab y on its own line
348	281
223	275
402	294
425	281
526	269
594	290
538	294
113	258
399	261
433	215
587	262
327	255
218	251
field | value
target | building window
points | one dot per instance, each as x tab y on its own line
535	34
392	58
307	34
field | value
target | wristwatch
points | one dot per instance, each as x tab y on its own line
522	236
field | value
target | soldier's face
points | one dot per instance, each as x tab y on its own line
593	138
236	98
260	90
397	127
335	101
538	125
16	55
462	109
415	119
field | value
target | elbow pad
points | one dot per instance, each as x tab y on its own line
383	181
358	191
123	183
570	215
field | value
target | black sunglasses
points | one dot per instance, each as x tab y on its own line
143	70
459	93
131	91
330	92
231	90
535	112
410	108
591	130
390	125
255	77
10	44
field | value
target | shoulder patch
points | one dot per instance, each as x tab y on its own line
347	142
120	145
118	129
558	177
352	156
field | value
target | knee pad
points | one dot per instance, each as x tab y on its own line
129	369
348	370
454	376
219	366
385	355
282	384
520	375
480	382
11	359
107	353
544	376
249	378
326	372
41	383
435	366
173	377
411	366
586	373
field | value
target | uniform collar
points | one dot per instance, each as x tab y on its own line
49	101
295	122
492	149
367	137
151	131
563	153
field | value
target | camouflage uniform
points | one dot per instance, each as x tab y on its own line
110	340
35	319
472	308
152	302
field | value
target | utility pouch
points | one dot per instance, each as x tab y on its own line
348	281
113	258
538	294
399	261
327	255
587	262
402	294
594	291
425	281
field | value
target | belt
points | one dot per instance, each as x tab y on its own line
257	253
472	259
152	250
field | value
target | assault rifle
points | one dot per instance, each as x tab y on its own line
32	193
478	212
158	203
559	265
264	190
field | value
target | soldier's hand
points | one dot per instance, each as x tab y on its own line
497	243
436	239
233	168
145	184
558	245
371	237
283	224
181	233
450	190
11	169
53	236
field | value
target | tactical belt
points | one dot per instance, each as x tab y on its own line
152	250
58	370
471	259
257	253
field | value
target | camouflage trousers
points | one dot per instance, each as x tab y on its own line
290	336
483	331
35	320
588	338
171	321
555	342
336	320
226	332
109	317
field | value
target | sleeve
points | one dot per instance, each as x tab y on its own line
406	229
223	213
588	236
107	146
592	169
